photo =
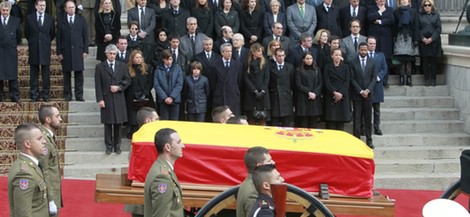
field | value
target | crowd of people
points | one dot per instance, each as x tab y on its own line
277	62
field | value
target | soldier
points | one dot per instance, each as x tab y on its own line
263	177
27	190
162	191
247	194
50	119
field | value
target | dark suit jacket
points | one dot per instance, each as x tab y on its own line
296	52
328	20
381	70
252	24
226	89
175	24
39	39
207	64
281	85
218	43
382	32
101	29
149	22
115	103
10	36
362	80
242	57
285	43
126	56
345	18
72	42
269	21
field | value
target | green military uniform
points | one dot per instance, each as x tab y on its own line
246	197
162	191
27	190
51	168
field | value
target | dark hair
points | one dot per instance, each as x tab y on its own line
144	113
217	111
166	54
162	137
133	23
362	44
44	112
262	174
23	132
196	65
253	156
236	119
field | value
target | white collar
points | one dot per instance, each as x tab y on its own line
35	160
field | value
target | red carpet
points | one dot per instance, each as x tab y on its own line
79	200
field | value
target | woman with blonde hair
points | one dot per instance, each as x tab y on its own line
138	93
272	46
107	27
256	79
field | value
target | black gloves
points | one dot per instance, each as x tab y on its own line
259	94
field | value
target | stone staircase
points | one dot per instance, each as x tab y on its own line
420	149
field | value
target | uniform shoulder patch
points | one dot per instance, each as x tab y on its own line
24	184
162	187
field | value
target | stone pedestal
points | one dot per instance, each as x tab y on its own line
458	39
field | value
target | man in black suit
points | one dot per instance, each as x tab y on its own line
207	58
111	79
363	80
351	12
10	36
240	52
146	23
296	52
277	30
228	79
227	34
328	17
174	19
123	54
40	31
72	48
281	85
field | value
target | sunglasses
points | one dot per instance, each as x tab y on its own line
427	5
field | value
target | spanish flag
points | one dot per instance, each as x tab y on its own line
213	154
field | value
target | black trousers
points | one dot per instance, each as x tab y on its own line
34	81
362	112
112	136
12	88
78	79
376	108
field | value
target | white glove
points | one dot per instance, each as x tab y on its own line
80	7
52	208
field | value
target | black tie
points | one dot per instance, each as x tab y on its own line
40	20
71	21
4	22
226	64
208	56
174	55
142	18
280	67
355	44
193	44
111	66
354	12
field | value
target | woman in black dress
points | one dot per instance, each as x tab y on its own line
107	27
337	79
256	79
251	22
138	93
309	85
430	47
204	16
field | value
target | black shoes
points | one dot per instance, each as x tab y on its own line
378	132
369	143
80	100
109	150
117	150
15	99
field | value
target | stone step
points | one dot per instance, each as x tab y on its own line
84	118
417	91
419	114
418	102
89	131
89	171
428	152
96	157
87	106
420	139
417	166
422	126
81	145
417	80
416	181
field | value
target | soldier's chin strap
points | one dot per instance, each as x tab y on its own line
265	209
